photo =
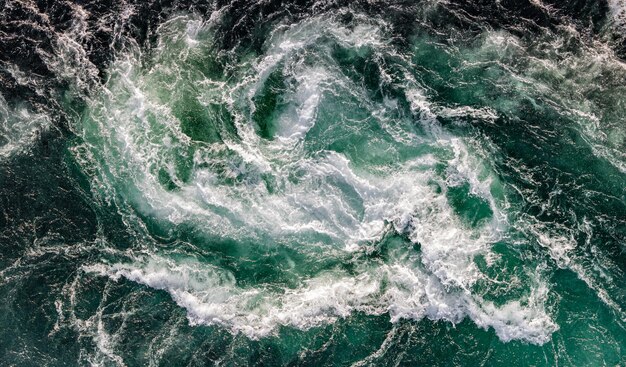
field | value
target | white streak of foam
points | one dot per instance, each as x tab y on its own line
618	11
211	298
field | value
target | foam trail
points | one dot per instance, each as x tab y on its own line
210	297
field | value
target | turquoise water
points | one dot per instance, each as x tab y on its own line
340	187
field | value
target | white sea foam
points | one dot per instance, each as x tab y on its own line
618	11
210	297
19	127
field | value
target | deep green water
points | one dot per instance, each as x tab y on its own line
337	187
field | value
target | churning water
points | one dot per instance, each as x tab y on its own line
312	183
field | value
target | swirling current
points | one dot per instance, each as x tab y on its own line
299	182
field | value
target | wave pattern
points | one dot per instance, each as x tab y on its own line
280	182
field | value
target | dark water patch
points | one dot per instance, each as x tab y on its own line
268	103
472	208
41	200
197	121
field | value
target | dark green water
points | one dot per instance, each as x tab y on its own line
313	183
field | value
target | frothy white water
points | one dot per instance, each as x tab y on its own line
618	11
19	128
211	297
307	187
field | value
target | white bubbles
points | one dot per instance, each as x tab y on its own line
618	12
19	127
211	298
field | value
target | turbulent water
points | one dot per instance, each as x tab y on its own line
313	183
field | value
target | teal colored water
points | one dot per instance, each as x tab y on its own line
343	189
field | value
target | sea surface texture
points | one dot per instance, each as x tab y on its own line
312	183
